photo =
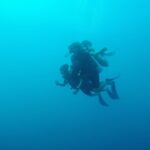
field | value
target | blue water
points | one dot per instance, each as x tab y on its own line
37	115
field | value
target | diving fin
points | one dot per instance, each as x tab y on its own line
101	100
113	93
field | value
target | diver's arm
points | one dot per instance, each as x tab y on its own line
104	62
100	60
100	57
110	53
101	52
104	52
61	84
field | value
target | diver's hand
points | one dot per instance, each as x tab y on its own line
103	50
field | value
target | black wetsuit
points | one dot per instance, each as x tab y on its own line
72	80
86	87
83	65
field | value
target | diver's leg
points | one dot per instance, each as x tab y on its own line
101	100
110	93
113	93
114	90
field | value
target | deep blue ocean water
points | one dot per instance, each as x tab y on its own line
35	114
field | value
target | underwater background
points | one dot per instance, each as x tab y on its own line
35	114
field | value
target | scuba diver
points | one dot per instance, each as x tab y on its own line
84	75
85	66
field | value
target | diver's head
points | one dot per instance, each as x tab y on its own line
86	44
64	69
75	47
